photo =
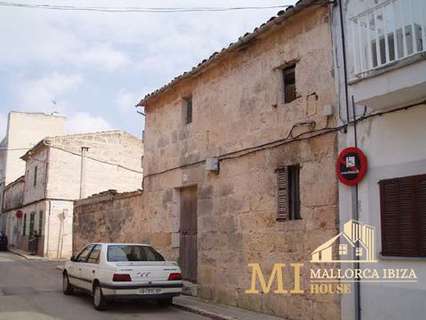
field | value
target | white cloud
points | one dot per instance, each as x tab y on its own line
86	122
47	94
103	56
87	60
126	101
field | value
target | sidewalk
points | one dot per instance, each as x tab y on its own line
218	311
26	254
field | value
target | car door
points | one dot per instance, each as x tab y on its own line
90	268
76	275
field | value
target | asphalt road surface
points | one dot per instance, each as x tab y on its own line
31	290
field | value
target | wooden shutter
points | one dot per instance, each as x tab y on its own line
403	216
283	194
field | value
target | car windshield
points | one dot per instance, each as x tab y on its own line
119	253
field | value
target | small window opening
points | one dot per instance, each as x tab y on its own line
289	78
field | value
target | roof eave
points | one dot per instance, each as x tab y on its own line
242	41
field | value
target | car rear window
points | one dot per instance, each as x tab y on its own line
119	253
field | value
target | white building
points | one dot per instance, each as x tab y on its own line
60	170
24	130
386	75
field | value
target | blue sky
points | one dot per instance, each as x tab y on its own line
93	67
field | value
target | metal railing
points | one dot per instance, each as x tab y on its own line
391	31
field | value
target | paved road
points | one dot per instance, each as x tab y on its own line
31	290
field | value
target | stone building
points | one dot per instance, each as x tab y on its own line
24	130
239	167
386	72
239	162
62	169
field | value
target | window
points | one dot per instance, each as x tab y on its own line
24	227
288	193
84	254
358	252
117	253
403	216
32	216
94	255
343	249
35	176
289	78
40	223
188	110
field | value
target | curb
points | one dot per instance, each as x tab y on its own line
203	312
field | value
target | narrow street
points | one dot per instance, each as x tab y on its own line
31	290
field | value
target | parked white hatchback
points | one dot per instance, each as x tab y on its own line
110	271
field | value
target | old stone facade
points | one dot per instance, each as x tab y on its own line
238	112
238	104
232	109
54	178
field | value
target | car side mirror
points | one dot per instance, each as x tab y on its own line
72	258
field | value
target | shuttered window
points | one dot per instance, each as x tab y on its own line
288	206
403	216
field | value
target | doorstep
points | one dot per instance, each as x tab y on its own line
218	311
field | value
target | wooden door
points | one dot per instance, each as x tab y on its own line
188	233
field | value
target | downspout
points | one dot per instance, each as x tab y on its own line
47	219
48	228
83	172
355	213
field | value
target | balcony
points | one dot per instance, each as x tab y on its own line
387	52
390	32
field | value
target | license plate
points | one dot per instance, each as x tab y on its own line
149	291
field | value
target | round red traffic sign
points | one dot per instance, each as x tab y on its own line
19	214
351	166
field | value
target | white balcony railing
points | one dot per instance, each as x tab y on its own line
391	31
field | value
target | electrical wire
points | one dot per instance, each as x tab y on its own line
135	9
290	139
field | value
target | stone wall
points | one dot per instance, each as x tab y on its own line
101	217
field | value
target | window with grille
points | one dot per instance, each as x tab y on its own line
289	78
288	193
403	216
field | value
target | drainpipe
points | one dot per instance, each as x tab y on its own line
48	228
83	172
355	214
354	192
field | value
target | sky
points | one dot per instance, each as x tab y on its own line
94	67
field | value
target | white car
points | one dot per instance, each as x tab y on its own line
109	271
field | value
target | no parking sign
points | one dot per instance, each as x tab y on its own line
351	166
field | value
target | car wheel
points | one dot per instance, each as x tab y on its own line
165	302
67	288
99	301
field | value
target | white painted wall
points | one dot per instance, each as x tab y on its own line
24	131
395	145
